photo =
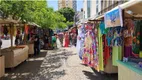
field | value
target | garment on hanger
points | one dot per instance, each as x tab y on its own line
116	54
128	38
26	29
106	51
80	41
100	50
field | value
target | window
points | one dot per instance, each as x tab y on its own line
88	8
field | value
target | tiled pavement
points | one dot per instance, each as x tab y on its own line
60	64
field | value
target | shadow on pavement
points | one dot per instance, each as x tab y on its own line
98	76
45	66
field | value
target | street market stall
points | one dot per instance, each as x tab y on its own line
31	29
14	55
127	53
132	60
93	45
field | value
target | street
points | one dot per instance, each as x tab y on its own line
60	64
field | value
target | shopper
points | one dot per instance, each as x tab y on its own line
54	41
36	45
66	36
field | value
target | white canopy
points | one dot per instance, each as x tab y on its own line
33	24
132	8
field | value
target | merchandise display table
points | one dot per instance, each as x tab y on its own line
15	55
129	71
2	66
31	48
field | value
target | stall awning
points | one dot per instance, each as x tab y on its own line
33	24
132	8
7	21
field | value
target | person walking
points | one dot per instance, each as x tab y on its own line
66	37
58	42
36	45
54	45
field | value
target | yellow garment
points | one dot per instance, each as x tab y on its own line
140	54
14	31
116	54
100	50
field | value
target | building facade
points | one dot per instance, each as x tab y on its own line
93	8
106	5
67	3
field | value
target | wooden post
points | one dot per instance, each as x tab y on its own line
11	35
123	15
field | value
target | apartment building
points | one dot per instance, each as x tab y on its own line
106	5
67	3
87	8
92	8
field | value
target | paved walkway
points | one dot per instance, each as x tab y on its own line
61	64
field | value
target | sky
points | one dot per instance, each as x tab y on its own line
54	4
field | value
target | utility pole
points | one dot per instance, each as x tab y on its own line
75	22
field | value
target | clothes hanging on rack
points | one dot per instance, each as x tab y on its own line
100	50
80	41
116	54
128	38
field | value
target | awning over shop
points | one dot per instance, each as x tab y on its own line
33	24
132	8
7	21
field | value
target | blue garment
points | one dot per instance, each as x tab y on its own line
102	27
109	41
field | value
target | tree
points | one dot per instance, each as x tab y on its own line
68	13
33	11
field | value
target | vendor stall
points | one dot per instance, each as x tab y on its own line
47	38
94	46
129	56
14	55
30	30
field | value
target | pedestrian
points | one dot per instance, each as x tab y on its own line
66	36
70	38
36	45
58	42
54	41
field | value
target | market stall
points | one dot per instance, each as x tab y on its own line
14	55
132	62
93	45
31	29
128	58
47	38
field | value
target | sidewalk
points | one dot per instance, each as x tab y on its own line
75	70
60	64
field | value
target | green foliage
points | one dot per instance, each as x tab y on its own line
69	23
33	11
68	13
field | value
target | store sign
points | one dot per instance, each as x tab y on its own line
113	18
